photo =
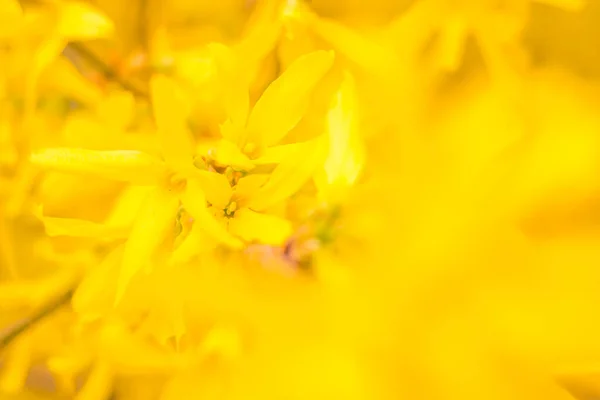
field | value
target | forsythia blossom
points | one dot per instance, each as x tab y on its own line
293	199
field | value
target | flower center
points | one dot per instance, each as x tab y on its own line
230	209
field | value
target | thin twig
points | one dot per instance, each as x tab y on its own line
33	320
143	24
106	70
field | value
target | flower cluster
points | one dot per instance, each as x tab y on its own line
299	199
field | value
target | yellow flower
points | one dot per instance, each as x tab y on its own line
250	138
174	176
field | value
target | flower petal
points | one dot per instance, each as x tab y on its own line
276	154
568	5
11	16
226	153
95	295
171	110
86	132
16	365
215	186
128	353
63	76
368	54
284	102
266	229
83	229
346	153
99	382
194	201
247	187
120	165
130	201
232	132
261	33
289	176
452	42
153	223
196	242
81	21
46	53
235	88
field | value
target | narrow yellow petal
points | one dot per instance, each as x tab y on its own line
284	102
194	201
215	186
130	354
196	243
18	295
452	42
289	176
171	110
409	32
11	9
227	154
63	76
247	186
11	16
160	49
235	87
99	383
297	37
153	224
252	226
33	293
95	295
120	165
261	32
276	154
125	208
232	132
569	5
16	367
346	153
368	54
84	229
82	130
46	53
68	364
81	21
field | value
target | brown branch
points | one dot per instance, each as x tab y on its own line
28	323
108	72
143	24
